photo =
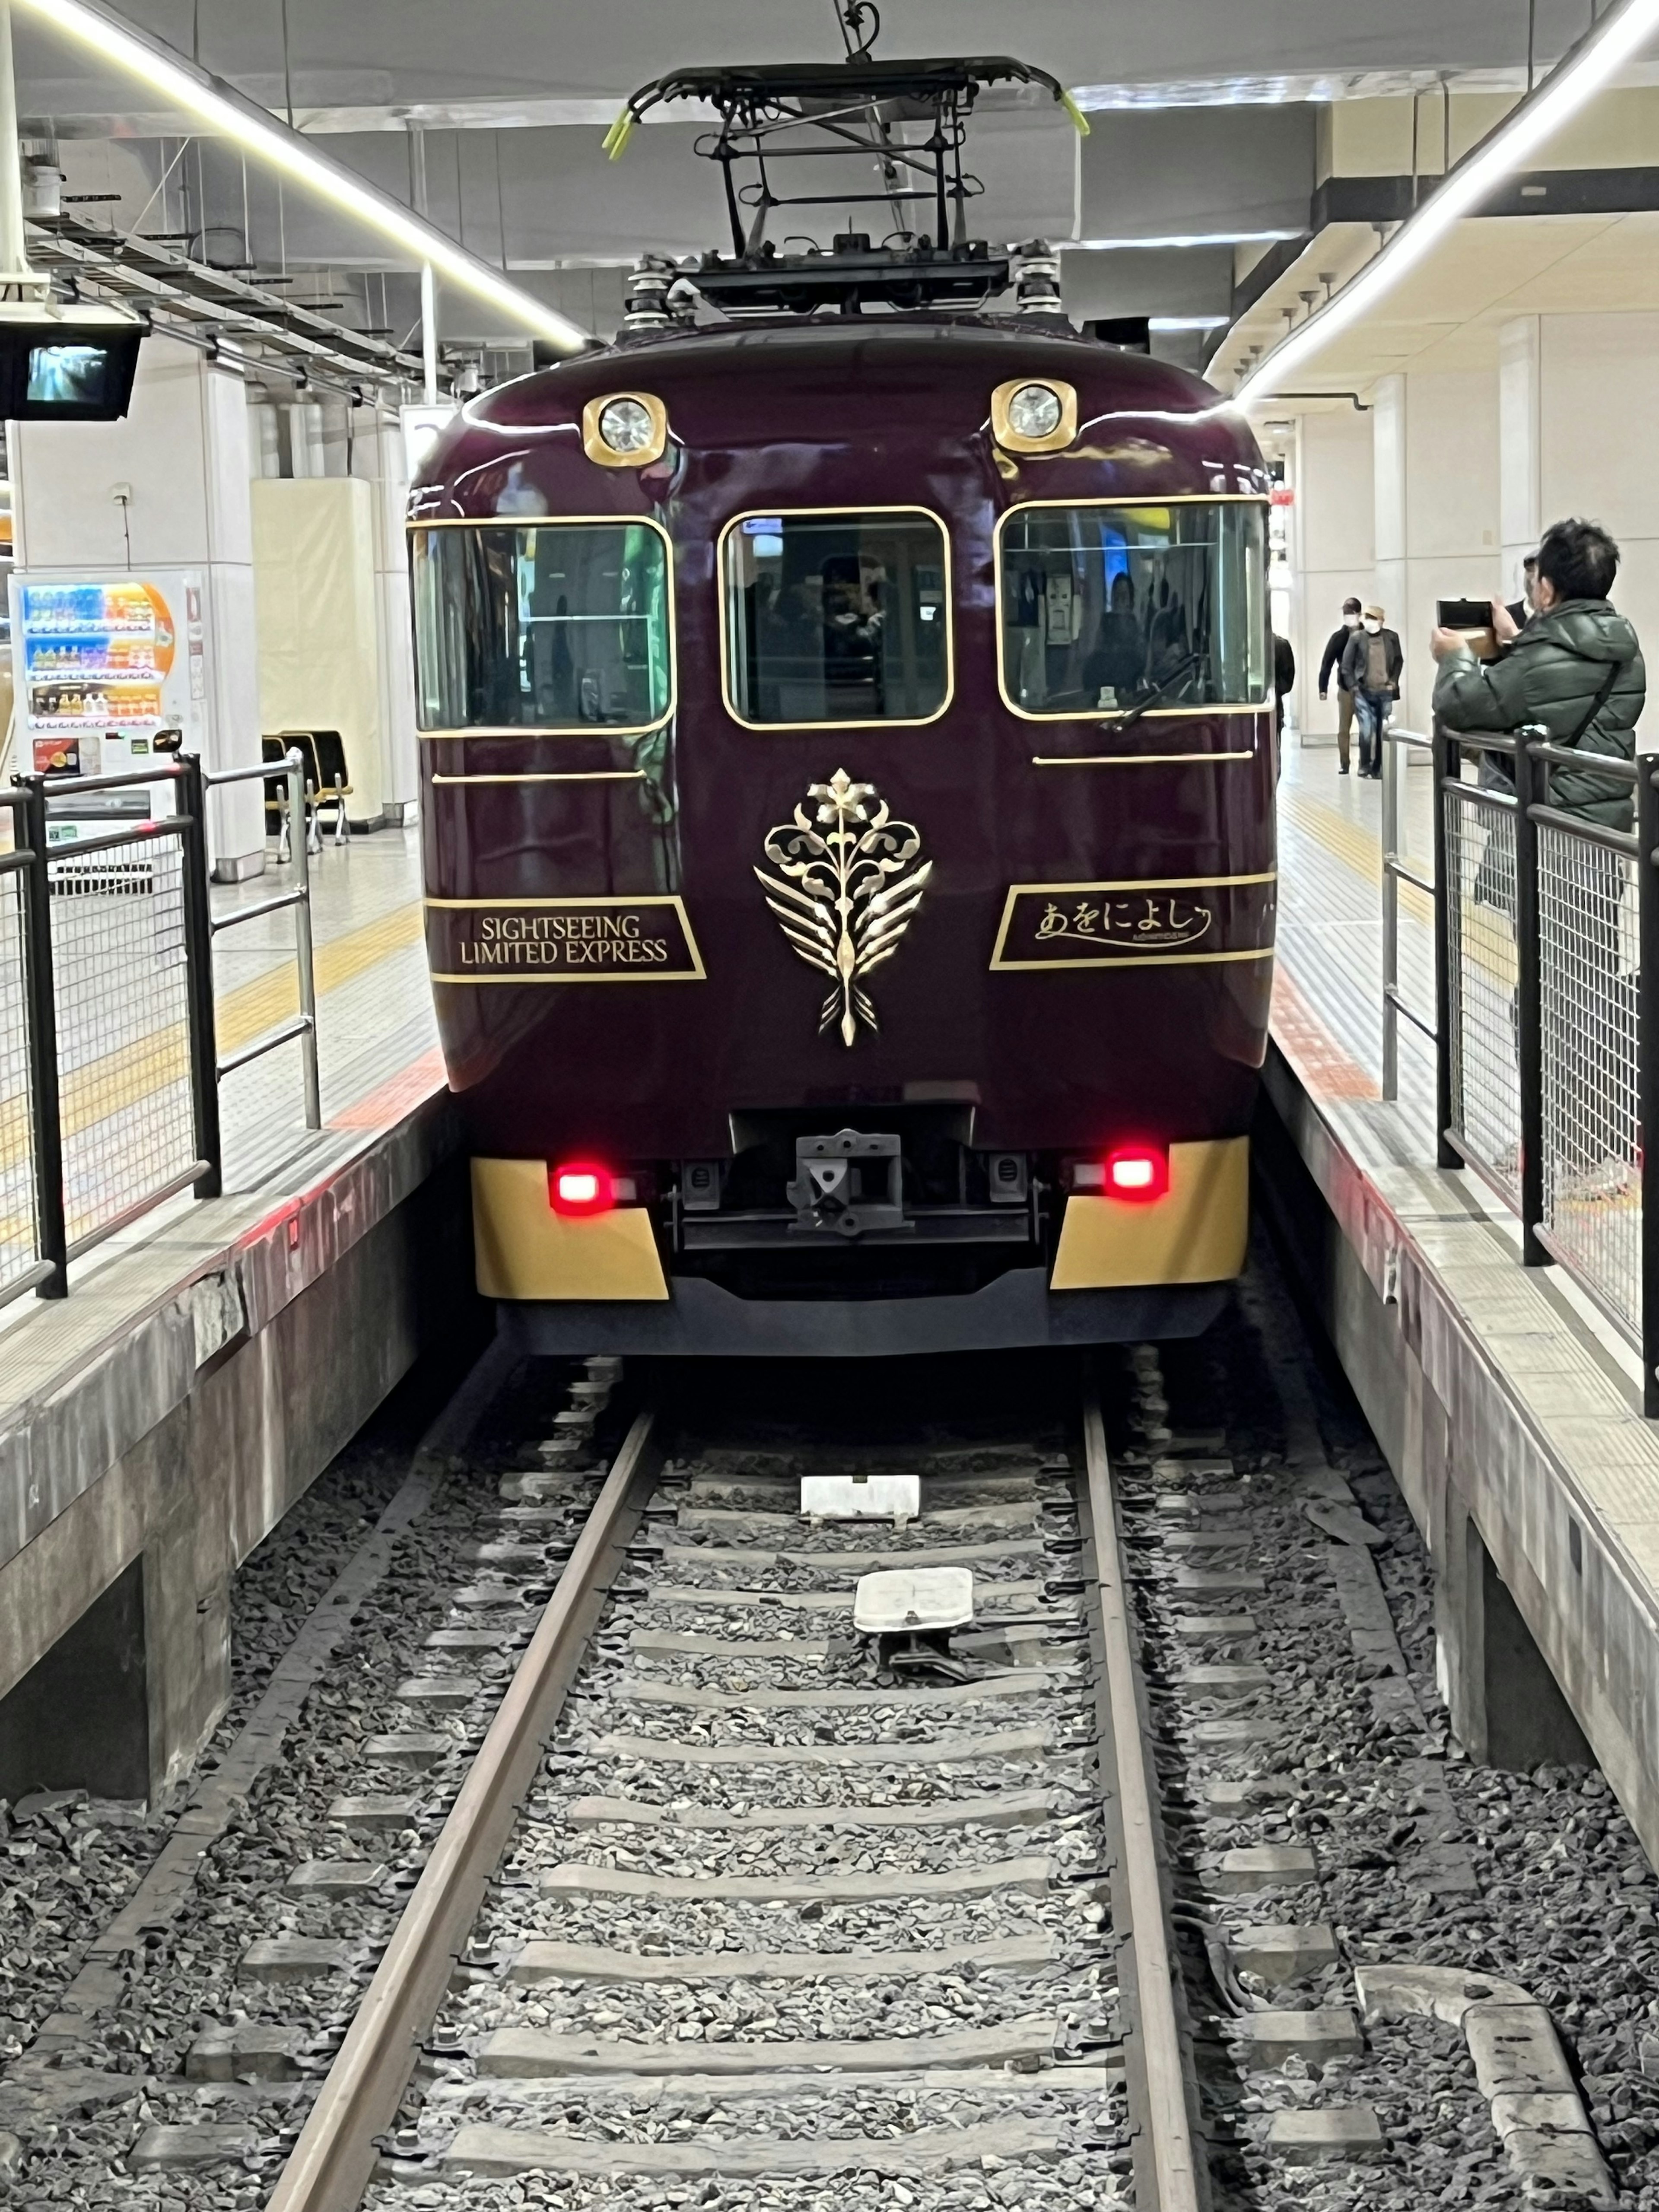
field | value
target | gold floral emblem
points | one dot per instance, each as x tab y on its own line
845	891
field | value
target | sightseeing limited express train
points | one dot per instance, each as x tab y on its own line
849	769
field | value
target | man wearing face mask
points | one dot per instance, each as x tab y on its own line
1371	662
1335	645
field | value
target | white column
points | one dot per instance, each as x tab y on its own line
378	454
182	456
1598	450
1519	522
1336	541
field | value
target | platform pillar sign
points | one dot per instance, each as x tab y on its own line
111	673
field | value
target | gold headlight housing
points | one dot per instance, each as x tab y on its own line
1034	415
624	429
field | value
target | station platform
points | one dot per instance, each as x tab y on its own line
212	1356
1509	1409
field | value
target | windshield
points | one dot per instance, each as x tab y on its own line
1104	608
549	627
837	618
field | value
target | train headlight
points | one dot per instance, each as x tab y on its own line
1035	411
624	429
1034	415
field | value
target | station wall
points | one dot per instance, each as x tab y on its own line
1438	490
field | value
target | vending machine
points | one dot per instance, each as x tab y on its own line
110	675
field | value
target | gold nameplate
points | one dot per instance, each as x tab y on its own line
1151	924
563	940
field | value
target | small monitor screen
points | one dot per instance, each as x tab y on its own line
67	370
68	376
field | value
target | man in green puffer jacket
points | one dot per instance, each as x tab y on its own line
1576	669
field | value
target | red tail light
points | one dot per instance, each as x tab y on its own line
578	1186
1140	1171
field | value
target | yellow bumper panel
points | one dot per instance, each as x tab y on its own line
525	1250
1195	1233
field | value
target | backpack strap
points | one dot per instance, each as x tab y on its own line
1596	704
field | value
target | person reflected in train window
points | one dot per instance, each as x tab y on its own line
1169	641
852	629
1372	662
1330	662
1114	670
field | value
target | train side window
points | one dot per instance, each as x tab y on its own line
1103	606
524	629
836	617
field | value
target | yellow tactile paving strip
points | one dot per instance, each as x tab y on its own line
120	1079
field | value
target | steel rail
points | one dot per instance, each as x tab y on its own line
333	2161
1153	2048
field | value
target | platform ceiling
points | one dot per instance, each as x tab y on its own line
1203	121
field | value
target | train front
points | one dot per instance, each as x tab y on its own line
848	830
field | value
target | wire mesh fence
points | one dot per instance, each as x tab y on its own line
1481	1025
1589	959
19	1228
121	976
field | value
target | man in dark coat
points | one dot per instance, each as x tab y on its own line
1576	670
1371	662
1331	659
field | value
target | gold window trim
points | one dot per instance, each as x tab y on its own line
783	729
606	456
1144	499
1017	441
697	973
1001	966
568	729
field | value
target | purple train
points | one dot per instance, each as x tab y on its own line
849	768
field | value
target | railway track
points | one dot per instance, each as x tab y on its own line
756	1879
633	1876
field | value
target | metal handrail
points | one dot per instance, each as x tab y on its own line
1396	743
304	1025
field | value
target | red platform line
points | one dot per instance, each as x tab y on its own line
1325	1069
398	1095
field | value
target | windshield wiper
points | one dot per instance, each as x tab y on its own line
1133	714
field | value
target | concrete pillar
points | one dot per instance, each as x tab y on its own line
1519	520
304	439
1598	445
182	453
1435	463
1506	1707
1335	546
378	454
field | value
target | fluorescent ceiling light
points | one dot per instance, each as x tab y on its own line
1203	238
222	111
1185	322
1576	77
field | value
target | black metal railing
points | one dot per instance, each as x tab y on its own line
109	1065
1546	1028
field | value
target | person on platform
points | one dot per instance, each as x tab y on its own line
1519	612
1371	661
1575	671
1283	681
1330	662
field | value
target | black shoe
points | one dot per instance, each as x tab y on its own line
1343	770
